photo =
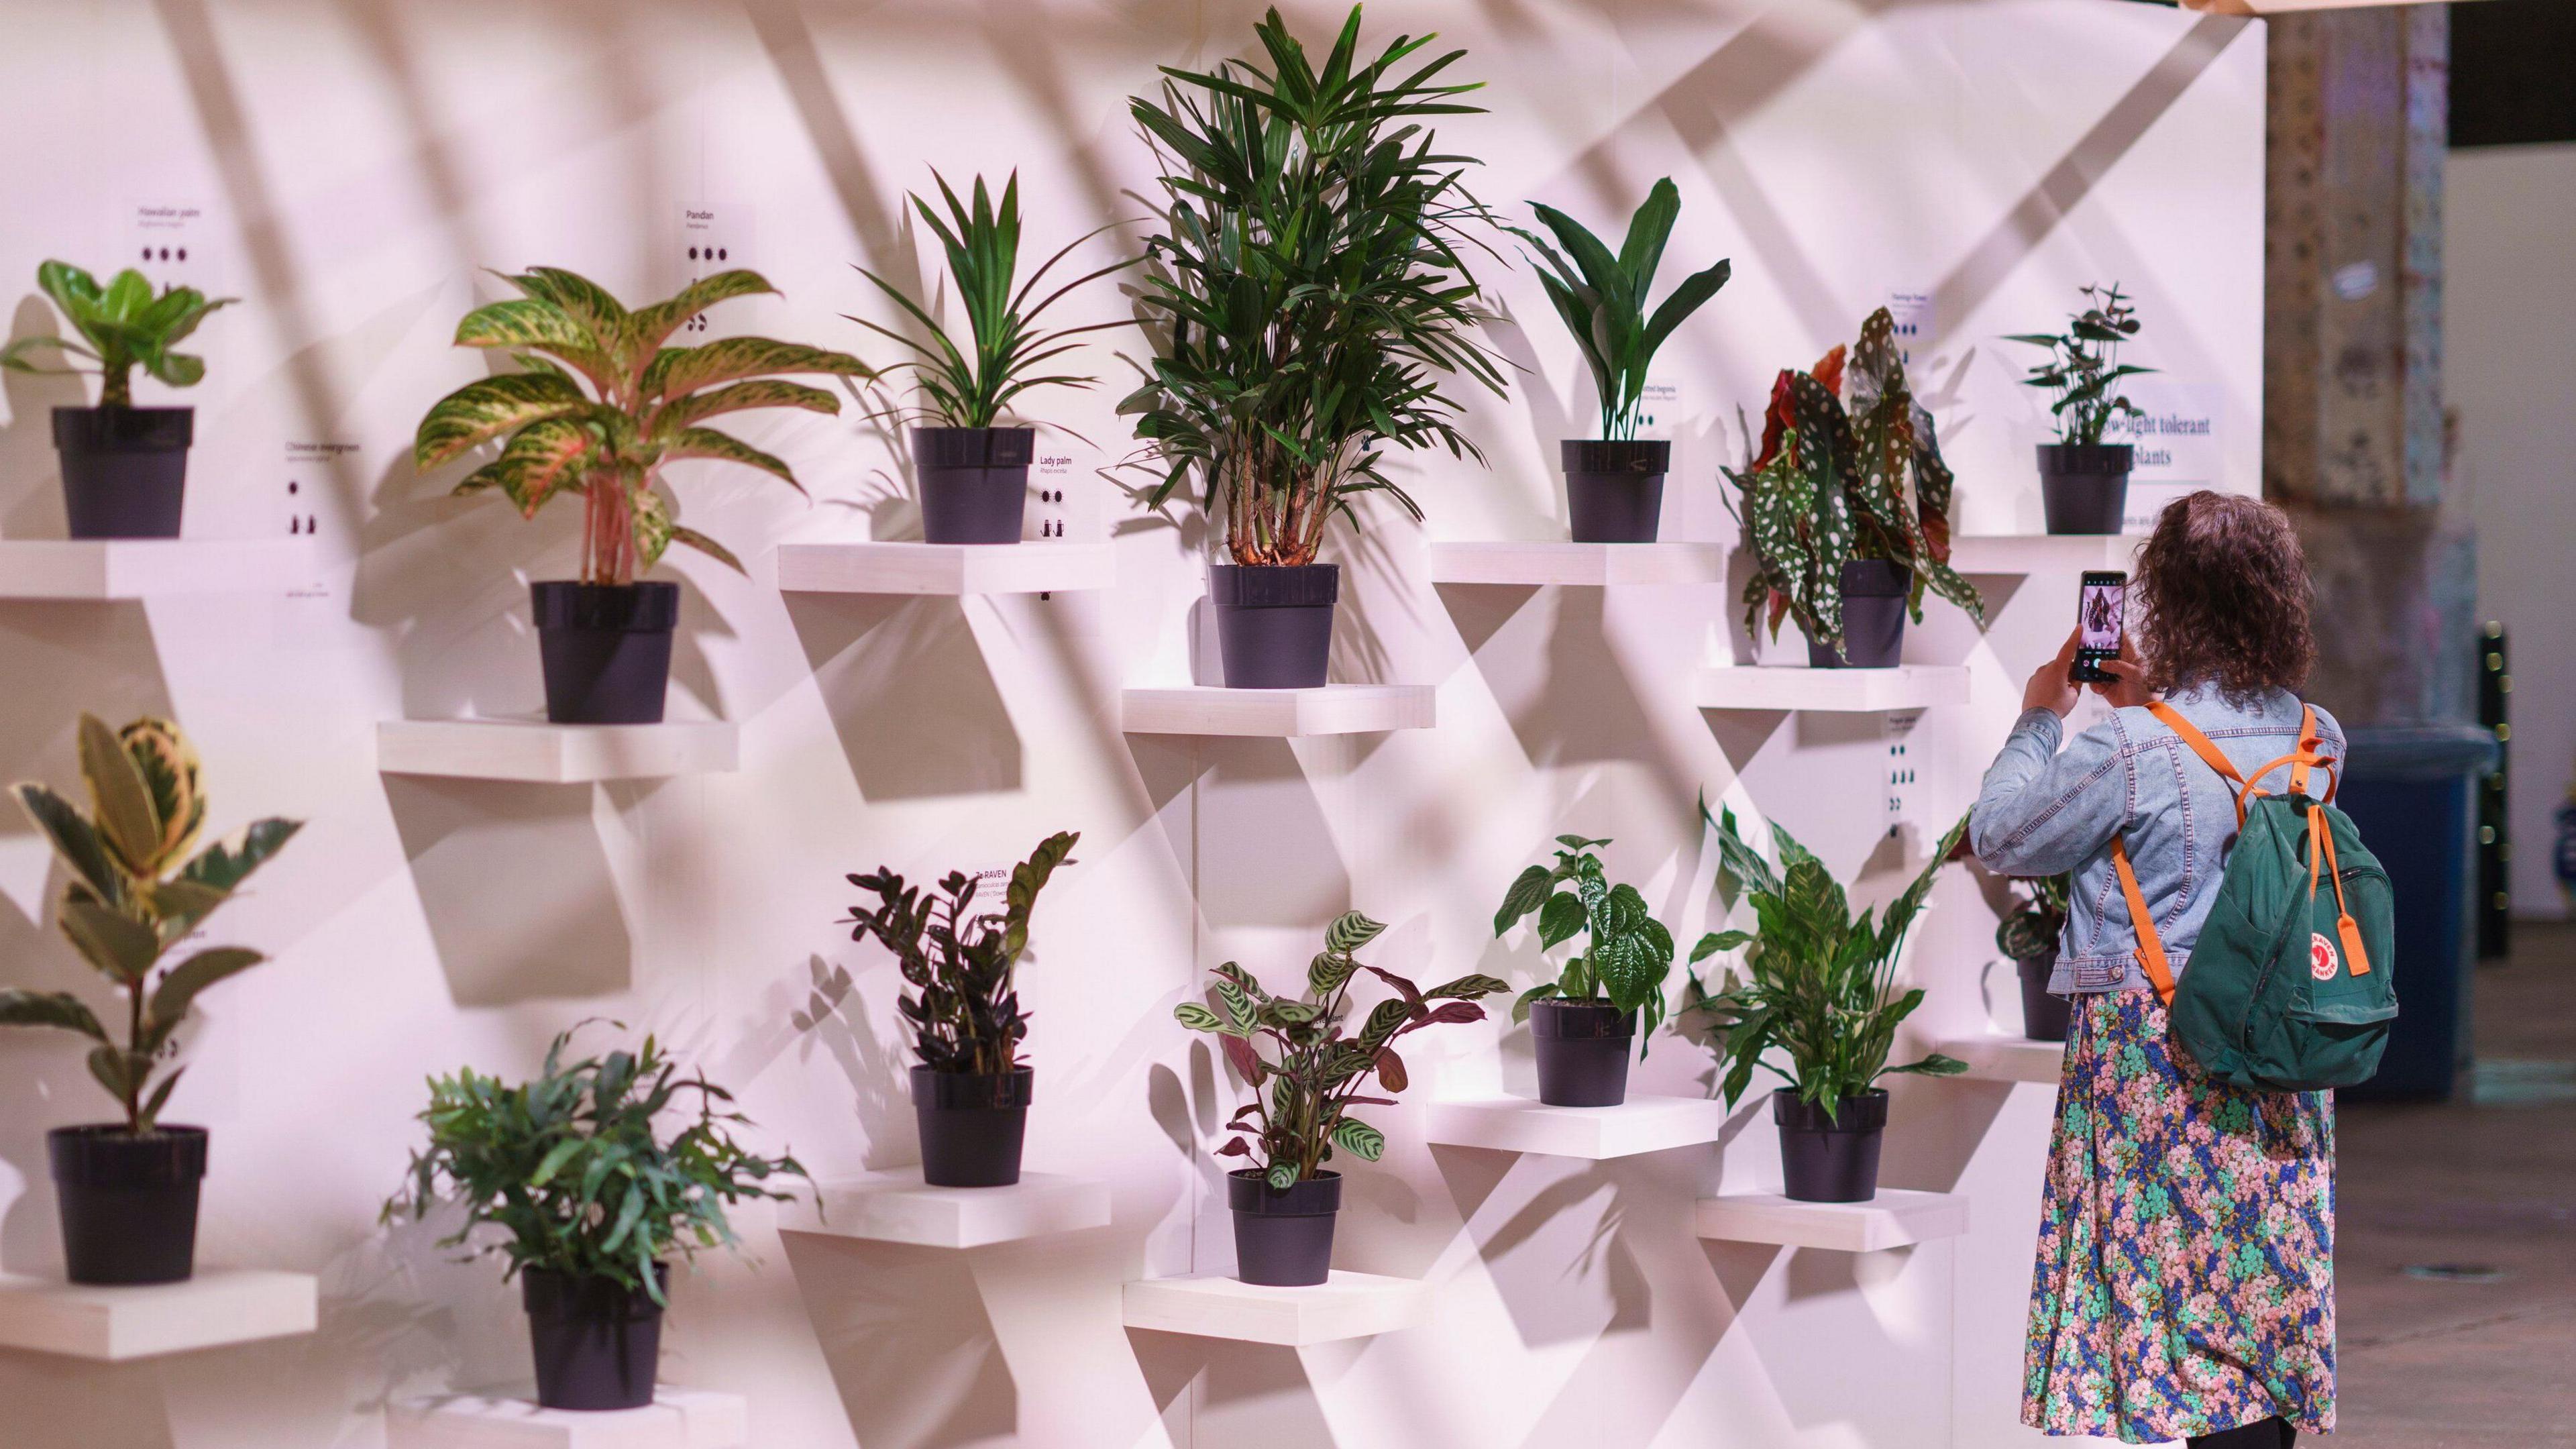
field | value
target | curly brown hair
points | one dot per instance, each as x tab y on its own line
2223	598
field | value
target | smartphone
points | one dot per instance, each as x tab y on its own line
2101	618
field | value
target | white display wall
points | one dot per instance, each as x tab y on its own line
349	169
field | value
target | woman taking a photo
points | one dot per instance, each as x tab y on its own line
2185	1278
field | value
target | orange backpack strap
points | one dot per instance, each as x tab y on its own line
2151	947
2210	754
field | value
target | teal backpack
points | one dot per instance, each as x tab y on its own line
2291	986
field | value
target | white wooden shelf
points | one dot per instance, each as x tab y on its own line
2043	553
147	568
1896	1217
1790	687
1348	1305
531	749
1334	709
2287	7
900	1208
1578	564
510	1419
211	1310
1996	1057
1524	1124
944	568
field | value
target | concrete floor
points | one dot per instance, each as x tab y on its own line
2432	1364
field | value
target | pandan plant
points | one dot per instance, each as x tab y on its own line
1627	954
2084	368
1602	298
122	326
601	405
1849	468
136	891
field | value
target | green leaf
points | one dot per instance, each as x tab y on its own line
1359	1139
484	409
554	1160
1326	973
1196	1017
1528	891
120	796
677	372
1350	932
1281	1176
646	329
1560	919
73	839
1466	988
1544	991
223	866
117	945
708	443
739	397
1716	941
180	985
48	1008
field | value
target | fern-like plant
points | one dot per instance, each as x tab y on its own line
1627	954
601	405
1602	298
1831	483
122	326
1313	1073
966	1015
135	892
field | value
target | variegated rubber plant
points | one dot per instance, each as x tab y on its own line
1313	1074
134	893
601	405
1627	954
1832	483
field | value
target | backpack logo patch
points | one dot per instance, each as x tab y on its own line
2321	957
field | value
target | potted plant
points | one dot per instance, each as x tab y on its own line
1846	509
1306	1075
1581	1023
2029	935
1310	307
2083	481
1614	484
128	1189
600	421
975	474
125	468
970	1092
1818	990
593	1197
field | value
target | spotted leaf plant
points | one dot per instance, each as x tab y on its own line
601	405
1305	1069
1849	468
1627	952
135	892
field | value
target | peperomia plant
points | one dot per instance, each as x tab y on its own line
970	386
2037	920
2084	367
1817	1003
601	406
1628	952
1602	298
575	1169
134	893
122	326
1830	484
1307	293
967	1017
1313	1074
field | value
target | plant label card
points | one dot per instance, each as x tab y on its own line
711	237
1064	489
1918	321
173	244
1660	410
1905	794
314	472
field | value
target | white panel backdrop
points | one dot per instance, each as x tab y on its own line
352	167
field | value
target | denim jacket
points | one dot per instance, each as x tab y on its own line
2044	810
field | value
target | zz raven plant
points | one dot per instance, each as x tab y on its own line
1602	298
1627	954
965	1005
122	326
1305	1071
136	891
2084	367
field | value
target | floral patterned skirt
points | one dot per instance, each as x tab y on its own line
2185	1282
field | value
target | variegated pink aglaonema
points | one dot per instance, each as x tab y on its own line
601	405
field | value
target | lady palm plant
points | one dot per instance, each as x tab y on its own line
135	892
1308	291
971	385
122	326
1602	298
602	405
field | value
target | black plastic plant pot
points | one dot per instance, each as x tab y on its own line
606	649
2084	487
125	470
128	1201
1283	1239
1834	1160
1614	490
974	482
2044	1017
1274	622
1582	1051
597	1343
972	1127
1874	593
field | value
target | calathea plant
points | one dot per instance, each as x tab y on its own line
2083	367
1832	486
1582	1021
2032	929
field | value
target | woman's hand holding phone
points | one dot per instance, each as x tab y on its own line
2128	673
2050	688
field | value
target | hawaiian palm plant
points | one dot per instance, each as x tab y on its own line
1602	298
1628	952
135	892
1308	291
122	326
1831	484
602	405
971	386
1819	987
2084	367
967	1017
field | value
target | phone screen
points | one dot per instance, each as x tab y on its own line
2101	617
